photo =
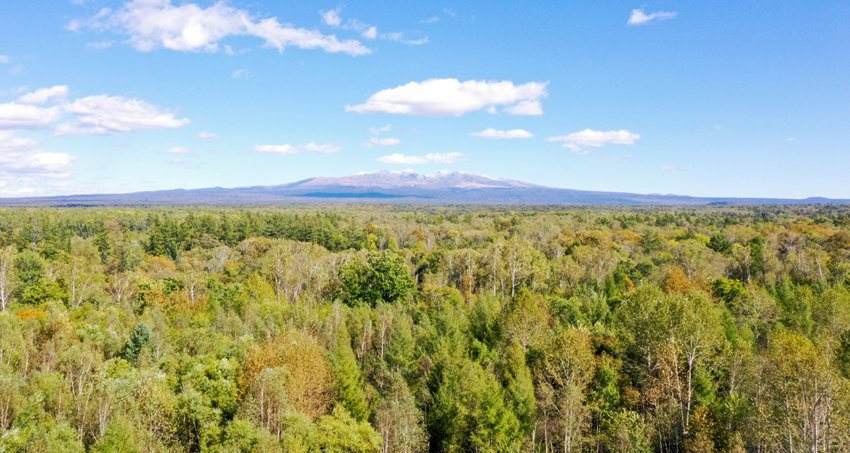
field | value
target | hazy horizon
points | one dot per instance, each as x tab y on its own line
711	100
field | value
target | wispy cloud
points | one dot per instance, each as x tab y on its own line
451	97
580	141
384	141
189	27
333	18
377	140
240	74
501	135
431	158
178	150
207	136
5	59
639	17
326	148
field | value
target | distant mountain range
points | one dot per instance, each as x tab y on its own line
398	187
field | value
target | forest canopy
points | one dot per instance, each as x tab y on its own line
425	329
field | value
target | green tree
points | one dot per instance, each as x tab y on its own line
349	381
380	277
140	339
341	433
470	413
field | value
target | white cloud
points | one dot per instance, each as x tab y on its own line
207	136
22	116
240	74
377	140
103	114
279	37
497	134
526	108
638	17
4	59
580	141
669	168
49	163
276	149
431	158
430	20
378	130
20	159
153	24
27	171
12	143
178	150
399	37
331	17
43	95
383	141
98	115
326	148
451	97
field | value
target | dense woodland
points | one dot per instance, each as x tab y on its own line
424	329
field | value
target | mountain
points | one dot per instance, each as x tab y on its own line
409	179
398	187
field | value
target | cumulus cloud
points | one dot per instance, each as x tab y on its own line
15	115
579	142
639	17
430	158
326	148
507	134
11	143
43	95
451	97
95	115
20	158
103	114
153	24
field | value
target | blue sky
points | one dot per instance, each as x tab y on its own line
700	98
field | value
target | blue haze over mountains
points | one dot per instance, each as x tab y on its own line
406	187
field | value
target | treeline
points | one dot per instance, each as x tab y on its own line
424	329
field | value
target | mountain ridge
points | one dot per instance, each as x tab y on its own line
400	187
